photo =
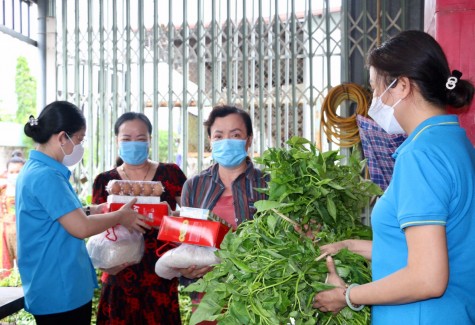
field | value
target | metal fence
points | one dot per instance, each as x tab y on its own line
150	56
174	60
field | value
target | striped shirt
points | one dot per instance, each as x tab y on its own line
204	190
378	148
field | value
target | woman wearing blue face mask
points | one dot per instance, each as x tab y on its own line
57	275
135	294
422	253
228	187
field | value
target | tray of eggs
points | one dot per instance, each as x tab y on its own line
147	194
122	191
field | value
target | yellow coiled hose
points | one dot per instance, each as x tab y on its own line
343	131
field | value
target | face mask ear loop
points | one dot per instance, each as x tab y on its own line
394	105
390	85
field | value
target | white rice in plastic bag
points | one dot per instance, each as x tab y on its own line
184	256
114	247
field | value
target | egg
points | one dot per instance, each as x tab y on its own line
136	188
147	189
114	188
126	188
157	189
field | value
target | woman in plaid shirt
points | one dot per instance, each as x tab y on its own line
228	187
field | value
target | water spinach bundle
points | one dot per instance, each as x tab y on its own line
269	271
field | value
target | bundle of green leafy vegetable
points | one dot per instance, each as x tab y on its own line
269	271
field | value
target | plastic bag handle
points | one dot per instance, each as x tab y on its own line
160	251
111	236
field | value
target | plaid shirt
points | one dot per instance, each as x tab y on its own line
378	148
204	190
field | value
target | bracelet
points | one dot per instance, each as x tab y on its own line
347	298
87	210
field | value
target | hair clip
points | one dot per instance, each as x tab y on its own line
457	74
453	79
33	121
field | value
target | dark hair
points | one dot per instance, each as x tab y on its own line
17	153
129	116
225	110
15	160
55	117
417	56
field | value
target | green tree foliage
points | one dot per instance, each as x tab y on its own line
5	115
25	88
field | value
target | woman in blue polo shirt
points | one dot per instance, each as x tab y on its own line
57	275
422	253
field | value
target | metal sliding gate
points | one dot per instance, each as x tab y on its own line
174	60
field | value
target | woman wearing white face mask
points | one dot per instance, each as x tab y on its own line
382	113
57	275
422	253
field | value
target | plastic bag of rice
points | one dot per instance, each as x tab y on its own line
184	256
114	247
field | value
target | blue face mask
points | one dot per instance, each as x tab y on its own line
229	152
133	152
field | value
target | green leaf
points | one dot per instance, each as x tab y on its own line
331	208
264	205
208	309
238	311
198	286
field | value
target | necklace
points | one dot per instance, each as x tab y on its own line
125	173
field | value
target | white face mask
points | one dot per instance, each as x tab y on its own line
384	114
74	157
11	178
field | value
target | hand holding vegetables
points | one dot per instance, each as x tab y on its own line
269	270
309	230
333	248
332	300
357	246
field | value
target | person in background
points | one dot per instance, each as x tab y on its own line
7	215
15	153
135	294
56	272
228	187
422	253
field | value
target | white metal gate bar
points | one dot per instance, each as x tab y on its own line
174	60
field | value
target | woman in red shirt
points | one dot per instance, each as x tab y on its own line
135	294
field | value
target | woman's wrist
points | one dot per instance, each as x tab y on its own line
348	300
97	208
347	244
87	210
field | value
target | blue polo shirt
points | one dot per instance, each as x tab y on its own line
433	183
56	272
